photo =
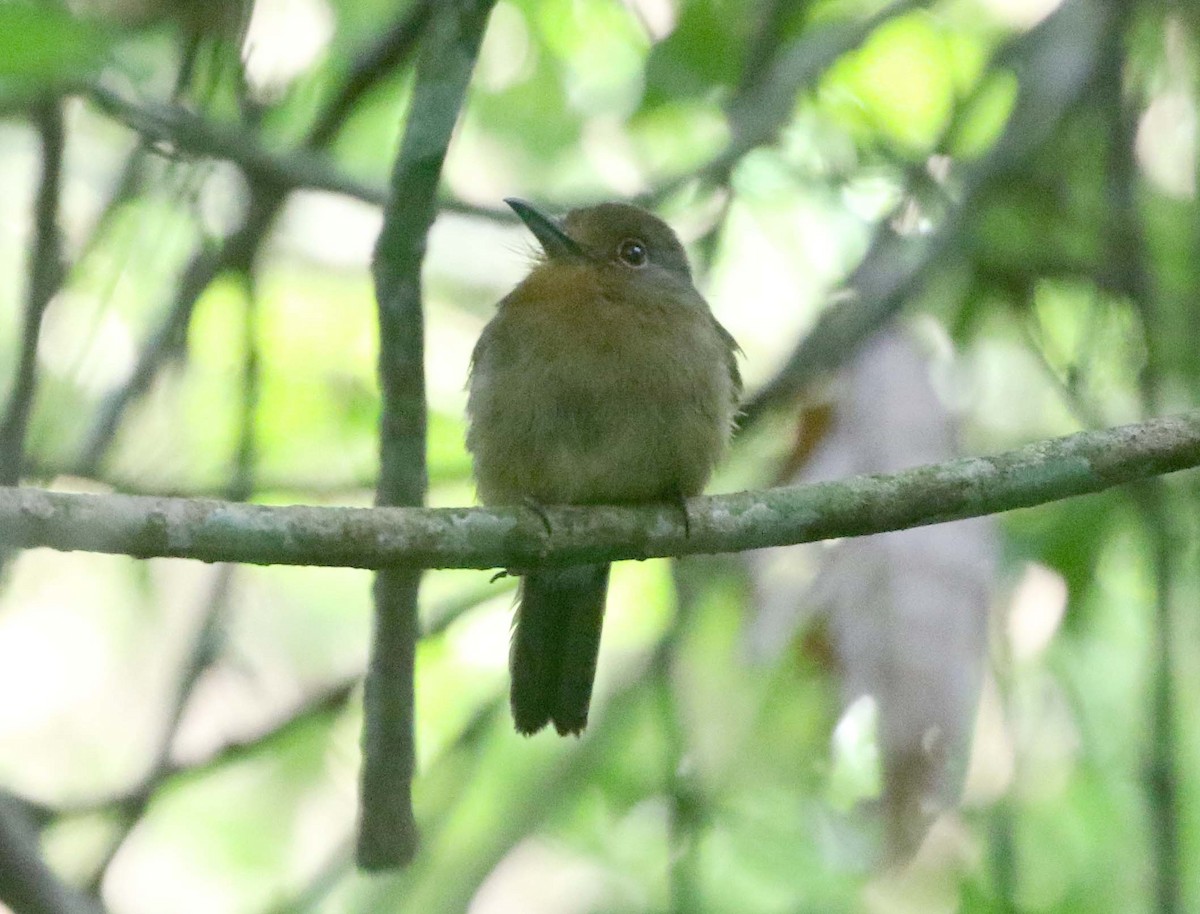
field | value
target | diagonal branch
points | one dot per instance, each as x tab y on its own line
190	132
239	249
764	103
27	884
764	107
215	531
200	659
394	46
329	700
1057	60
306	167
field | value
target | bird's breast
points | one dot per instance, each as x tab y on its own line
577	397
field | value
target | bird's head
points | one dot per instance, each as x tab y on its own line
628	243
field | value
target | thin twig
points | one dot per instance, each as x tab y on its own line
200	658
890	273
442	794
766	35
45	273
329	700
767	105
204	645
387	834
1128	272
445	881
125	188
337	864
369	68
181	129
764	105
236	251
242	483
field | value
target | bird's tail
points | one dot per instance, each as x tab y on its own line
556	640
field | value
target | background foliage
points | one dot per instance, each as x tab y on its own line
965	221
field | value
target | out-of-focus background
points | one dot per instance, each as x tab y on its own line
934	227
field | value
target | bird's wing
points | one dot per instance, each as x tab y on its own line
732	351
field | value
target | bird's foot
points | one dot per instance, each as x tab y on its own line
681	502
540	510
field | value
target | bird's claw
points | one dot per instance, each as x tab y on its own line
681	503
537	508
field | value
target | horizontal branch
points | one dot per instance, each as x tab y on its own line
216	531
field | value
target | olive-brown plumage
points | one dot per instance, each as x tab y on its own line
603	379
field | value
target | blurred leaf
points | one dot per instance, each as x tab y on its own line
600	50
1069	537
1173	242
907	610
900	83
534	106
676	137
983	118
701	57
42	46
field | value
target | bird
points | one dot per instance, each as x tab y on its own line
603	378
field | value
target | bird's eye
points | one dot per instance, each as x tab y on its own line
633	252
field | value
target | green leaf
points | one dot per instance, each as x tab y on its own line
702	55
899	84
985	115
43	45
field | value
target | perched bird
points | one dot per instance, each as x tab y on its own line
603	379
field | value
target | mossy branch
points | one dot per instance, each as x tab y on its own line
217	531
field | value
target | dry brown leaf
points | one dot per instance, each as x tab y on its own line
906	611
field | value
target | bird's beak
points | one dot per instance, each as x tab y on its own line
557	244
